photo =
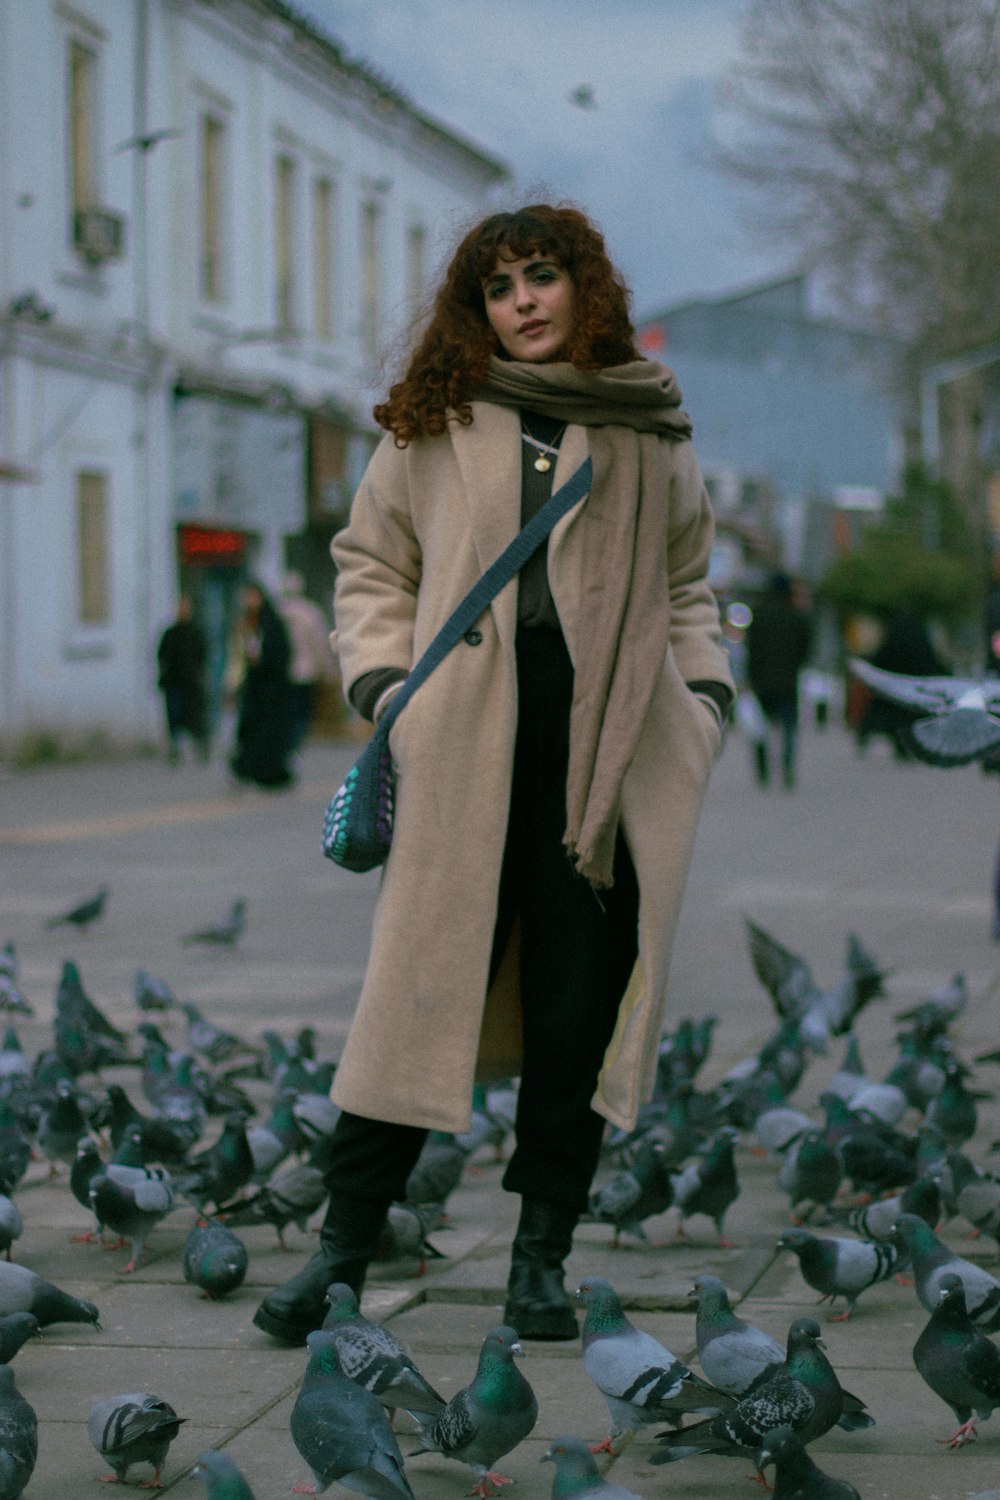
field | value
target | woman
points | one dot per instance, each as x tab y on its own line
264	700
550	770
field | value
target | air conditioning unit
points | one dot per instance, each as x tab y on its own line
99	234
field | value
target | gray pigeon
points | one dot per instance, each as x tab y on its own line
810	1174
803	1393
11	1224
214	1259
227	934
131	1201
84	914
931	1260
15	1330
18	1437
22	1291
291	1196
796	1476
487	1418
341	1430
133	1429
960	1364
641	1381
372	1356
577	1475
838	1267
634	1194
732	1353
961	716
221	1478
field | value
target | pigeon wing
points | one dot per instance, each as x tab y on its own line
935	695
956	738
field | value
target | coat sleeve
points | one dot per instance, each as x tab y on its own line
695	631
378	561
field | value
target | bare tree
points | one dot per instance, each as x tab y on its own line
875	140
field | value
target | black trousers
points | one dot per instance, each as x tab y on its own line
578	949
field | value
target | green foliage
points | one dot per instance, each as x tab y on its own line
921	556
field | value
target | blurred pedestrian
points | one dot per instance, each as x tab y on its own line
905	647
263	654
777	641
180	657
312	659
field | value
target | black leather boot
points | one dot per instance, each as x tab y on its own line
346	1240
537	1304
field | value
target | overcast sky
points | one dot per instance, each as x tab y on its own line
502	71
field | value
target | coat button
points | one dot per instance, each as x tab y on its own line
474	637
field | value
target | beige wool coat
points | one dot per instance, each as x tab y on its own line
426	522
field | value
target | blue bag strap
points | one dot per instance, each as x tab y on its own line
497	575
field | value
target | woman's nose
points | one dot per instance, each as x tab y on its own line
524	295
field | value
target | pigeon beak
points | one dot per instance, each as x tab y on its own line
820	1344
516	1349
546	1458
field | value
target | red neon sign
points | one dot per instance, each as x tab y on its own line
207	546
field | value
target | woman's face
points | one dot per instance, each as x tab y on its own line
529	305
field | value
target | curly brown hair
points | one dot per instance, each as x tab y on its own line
453	354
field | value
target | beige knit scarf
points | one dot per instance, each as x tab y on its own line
624	616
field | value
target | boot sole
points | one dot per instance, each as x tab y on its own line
281	1328
557	1326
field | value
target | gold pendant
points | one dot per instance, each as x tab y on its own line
543	464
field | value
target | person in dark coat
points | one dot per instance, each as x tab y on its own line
777	646
181	656
264	696
906	648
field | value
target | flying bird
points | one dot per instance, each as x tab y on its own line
959	716
84	914
228	932
583	96
150	138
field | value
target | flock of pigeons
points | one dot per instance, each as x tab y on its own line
849	1159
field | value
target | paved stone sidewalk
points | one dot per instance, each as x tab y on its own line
901	854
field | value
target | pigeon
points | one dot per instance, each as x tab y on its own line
779	1128
796	1475
372	1356
811	1174
487	1418
803	1393
437	1170
838	1267
641	1381
18	1437
341	1430
159	1140
732	1353
947	1002
151	993
131	1201
577	1476
709	1185
874	1221
15	1149
953	1110
15	1330
11	1224
932	1259
879	1104
84	914
404	1234
133	1429
214	1259
221	1478
227	934
211	1041
960	716
9	966
60	1127
12	999
635	1194
222	1170
976	1195
292	1196
22	1291
850	1077
960	1364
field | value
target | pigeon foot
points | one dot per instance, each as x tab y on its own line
482	1486
965	1434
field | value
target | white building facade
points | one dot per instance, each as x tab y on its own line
213	228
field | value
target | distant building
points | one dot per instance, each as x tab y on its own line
214	225
798	421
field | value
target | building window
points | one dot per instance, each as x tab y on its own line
82	79
284	241
93	603
211	147
371	219
322	236
416	251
